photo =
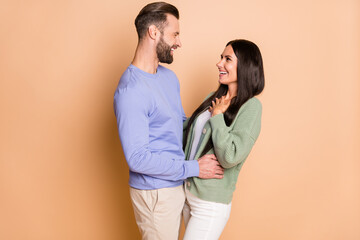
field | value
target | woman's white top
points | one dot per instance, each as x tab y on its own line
198	127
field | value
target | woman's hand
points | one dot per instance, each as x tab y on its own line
220	105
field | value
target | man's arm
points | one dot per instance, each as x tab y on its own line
133	125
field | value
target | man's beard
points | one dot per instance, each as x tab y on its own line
163	51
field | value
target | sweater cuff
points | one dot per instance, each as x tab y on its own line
218	121
192	167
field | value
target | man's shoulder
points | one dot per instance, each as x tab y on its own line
129	79
130	85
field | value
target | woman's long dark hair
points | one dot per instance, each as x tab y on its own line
250	82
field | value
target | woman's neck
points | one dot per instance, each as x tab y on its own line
232	91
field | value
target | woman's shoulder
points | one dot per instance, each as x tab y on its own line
209	95
251	109
253	103
249	117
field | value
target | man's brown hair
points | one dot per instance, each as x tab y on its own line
154	13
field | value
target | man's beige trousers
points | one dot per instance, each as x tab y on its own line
158	212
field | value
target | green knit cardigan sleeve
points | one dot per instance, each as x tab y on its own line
233	144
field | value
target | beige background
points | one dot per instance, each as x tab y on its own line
62	170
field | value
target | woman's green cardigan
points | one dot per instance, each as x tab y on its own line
232	145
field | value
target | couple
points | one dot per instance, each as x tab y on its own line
153	129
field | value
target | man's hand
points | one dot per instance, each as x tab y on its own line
210	167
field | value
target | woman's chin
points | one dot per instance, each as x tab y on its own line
222	82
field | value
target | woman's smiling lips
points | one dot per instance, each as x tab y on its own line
222	73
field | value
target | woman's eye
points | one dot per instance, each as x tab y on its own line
228	59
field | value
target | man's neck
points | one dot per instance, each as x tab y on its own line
145	58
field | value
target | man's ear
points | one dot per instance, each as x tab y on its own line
153	31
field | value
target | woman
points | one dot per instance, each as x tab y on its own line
227	124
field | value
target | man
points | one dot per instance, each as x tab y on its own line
150	121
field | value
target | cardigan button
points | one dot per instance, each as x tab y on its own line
204	131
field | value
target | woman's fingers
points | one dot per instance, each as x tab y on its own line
219	105
217	101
